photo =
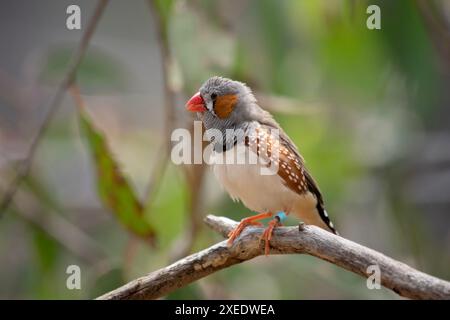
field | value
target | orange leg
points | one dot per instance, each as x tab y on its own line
267	235
253	220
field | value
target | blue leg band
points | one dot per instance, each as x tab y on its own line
281	215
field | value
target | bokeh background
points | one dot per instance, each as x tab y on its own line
368	109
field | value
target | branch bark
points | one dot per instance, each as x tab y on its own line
311	240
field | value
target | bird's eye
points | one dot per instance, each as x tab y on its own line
213	96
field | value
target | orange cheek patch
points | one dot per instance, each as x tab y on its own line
224	105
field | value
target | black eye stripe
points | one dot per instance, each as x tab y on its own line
213	98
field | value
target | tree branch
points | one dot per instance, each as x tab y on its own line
311	240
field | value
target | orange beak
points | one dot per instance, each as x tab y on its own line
196	103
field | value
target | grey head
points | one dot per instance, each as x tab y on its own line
229	105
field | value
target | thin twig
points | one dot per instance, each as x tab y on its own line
169	105
194	173
55	102
311	240
195	177
160	165
437	28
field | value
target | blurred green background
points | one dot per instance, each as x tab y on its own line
368	109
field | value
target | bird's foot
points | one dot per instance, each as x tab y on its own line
267	235
244	223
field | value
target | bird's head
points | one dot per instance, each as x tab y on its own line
222	103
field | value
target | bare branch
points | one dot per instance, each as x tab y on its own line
311	240
195	177
55	102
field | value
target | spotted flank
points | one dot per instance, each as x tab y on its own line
291	167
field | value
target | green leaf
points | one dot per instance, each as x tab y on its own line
114	190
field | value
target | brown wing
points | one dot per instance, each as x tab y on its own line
291	166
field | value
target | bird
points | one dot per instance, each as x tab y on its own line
240	129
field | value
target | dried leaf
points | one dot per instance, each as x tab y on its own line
114	190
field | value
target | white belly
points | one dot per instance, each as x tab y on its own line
258	192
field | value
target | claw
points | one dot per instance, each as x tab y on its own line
236	232
267	235
241	227
244	223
